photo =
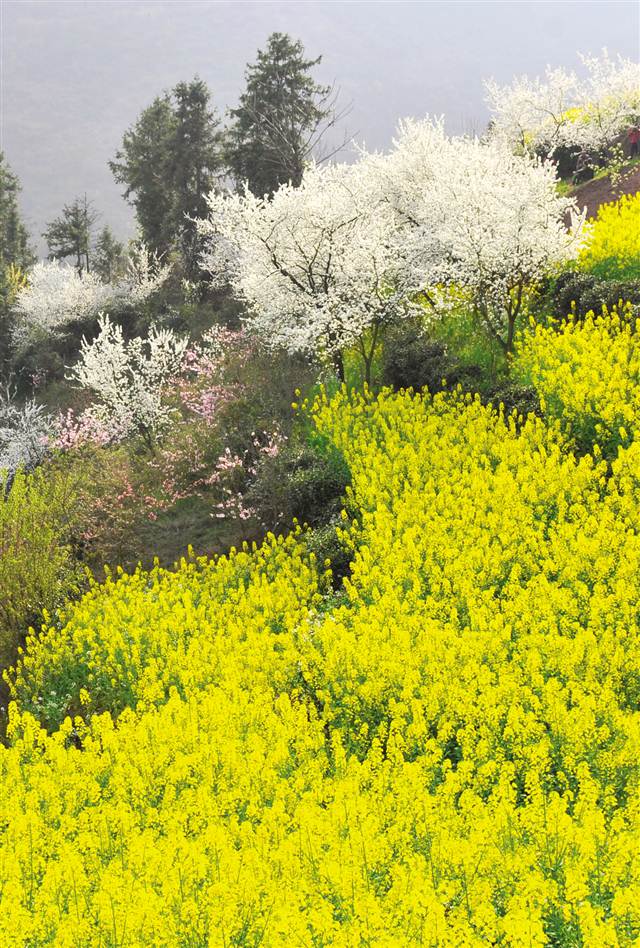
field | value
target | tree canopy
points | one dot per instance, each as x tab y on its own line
169	160
280	119
71	234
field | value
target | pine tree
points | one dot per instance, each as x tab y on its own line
14	239
16	256
197	162
281	117
169	162
144	165
70	235
109	256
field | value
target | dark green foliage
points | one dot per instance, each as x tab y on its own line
196	164
108	256
325	542
576	293
15	252
280	118
143	166
304	481
516	397
413	359
70	235
6	322
14	239
169	161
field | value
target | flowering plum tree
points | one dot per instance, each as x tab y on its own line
56	294
590	114
24	433
329	264
315	264
130	378
474	222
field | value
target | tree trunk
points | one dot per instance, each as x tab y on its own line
510	332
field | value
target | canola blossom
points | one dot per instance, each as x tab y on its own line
445	752
612	250
587	374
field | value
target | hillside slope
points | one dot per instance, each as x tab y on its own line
592	194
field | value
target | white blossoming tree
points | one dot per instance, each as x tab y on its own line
130	378
329	264
315	264
24	434
57	295
589	114
477	223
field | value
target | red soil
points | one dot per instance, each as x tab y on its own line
592	194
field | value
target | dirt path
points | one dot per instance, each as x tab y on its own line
592	194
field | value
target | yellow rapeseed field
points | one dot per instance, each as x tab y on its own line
587	374
446	752
613	248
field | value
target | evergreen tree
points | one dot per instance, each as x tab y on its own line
14	239
109	256
197	162
144	165
281	117
70	235
168	163
16	256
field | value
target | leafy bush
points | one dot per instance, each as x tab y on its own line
574	294
328	545
37	565
304	480
522	399
414	359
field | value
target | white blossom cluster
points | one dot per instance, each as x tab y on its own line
357	246
591	113
57	295
130	377
474	220
315	263
24	434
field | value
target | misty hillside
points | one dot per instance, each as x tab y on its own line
76	74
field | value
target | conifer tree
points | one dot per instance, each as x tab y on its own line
280	119
169	162
144	166
16	255
70	234
197	162
14	238
109	256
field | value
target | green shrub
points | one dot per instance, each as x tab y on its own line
576	294
305	480
516	397
325	543
38	569
414	359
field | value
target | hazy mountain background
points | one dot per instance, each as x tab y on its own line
75	75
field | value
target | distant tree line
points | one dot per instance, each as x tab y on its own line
177	151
